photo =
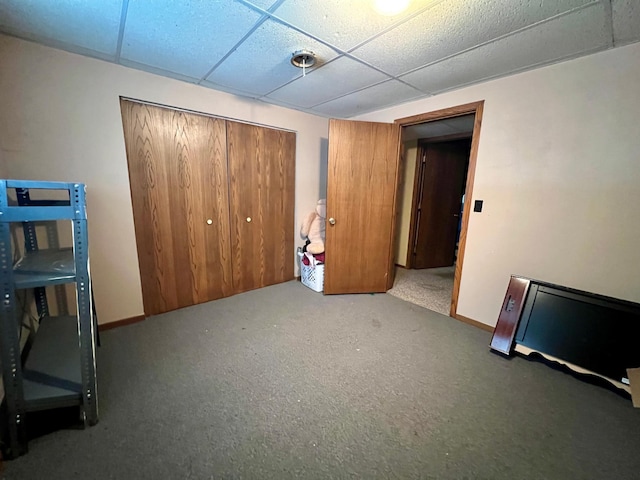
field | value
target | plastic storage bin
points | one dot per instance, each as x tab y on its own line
312	276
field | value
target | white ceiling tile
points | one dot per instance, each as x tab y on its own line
90	25
158	71
227	89
287	105
342	24
438	128
339	77
626	21
567	36
461	124
426	130
185	40
453	26
369	99
263	62
263	4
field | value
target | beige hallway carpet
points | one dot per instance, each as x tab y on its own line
430	288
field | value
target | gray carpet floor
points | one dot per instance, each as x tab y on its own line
430	287
283	382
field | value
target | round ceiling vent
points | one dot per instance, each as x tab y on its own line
303	59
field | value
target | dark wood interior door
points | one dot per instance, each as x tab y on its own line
443	171
362	187
262	199
178	176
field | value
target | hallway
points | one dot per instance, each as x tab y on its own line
430	288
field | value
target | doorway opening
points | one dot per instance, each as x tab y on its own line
435	191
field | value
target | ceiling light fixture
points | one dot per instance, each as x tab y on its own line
303	59
390	7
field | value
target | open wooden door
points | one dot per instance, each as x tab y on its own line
362	186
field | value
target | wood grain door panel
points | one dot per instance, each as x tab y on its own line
178	177
361	197
262	176
441	188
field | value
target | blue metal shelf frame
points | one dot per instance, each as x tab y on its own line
32	275
43	268
10	344
86	326
31	245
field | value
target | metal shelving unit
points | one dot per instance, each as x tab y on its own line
60	368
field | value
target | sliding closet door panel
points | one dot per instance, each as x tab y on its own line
201	212
178	177
261	191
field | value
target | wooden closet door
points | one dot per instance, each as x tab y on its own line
261	192
178	177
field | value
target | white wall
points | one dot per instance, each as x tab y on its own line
60	120
558	169
406	201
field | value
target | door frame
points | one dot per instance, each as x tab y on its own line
477	109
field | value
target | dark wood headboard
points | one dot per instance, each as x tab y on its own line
597	333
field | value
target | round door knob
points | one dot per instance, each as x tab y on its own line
209	221
248	219
332	221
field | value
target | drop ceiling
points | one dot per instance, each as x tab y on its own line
462	125
365	61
